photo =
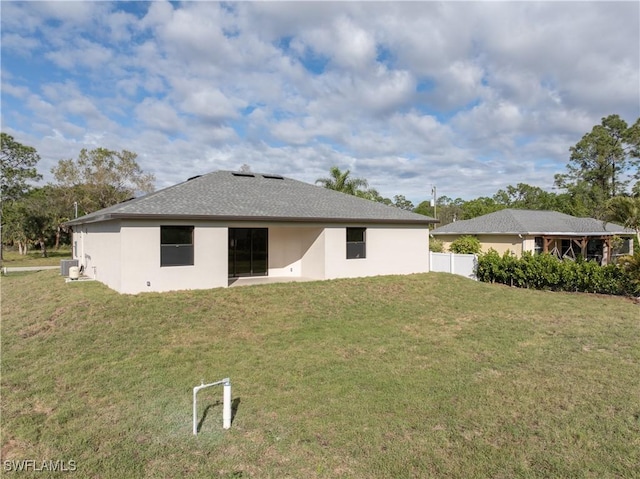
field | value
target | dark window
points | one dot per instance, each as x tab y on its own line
356	243
622	246
176	245
539	244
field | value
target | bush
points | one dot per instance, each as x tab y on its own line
436	245
631	266
548	272
466	245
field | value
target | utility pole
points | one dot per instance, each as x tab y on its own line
75	207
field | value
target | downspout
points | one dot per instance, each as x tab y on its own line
81	256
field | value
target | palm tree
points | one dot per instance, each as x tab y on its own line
340	181
625	210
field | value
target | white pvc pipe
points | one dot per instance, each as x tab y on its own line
226	403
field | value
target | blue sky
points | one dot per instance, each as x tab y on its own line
468	96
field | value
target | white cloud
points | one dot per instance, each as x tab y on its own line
470	96
346	44
158	115
21	45
206	101
83	53
16	91
120	25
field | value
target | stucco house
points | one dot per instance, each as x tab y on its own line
551	232
214	229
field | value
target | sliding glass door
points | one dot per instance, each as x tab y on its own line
248	251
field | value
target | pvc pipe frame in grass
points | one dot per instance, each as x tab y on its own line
226	403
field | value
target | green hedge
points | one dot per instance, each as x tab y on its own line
544	271
466	245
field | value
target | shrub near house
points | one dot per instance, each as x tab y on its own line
466	244
547	272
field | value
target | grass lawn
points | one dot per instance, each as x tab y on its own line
34	257
392	377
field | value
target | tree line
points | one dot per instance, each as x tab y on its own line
602	180
35	215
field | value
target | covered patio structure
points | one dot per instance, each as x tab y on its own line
594	248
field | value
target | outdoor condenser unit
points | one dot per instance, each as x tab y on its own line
65	264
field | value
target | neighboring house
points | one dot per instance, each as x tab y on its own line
562	235
212	229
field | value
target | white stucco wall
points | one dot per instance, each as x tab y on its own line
126	253
141	259
288	248
126	256
98	250
389	250
313	259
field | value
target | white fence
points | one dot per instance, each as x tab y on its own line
463	264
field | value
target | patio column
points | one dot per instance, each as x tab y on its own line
606	254
583	246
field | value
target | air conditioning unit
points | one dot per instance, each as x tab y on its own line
65	264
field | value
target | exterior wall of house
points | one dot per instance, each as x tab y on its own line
500	243
126	254
126	257
389	250
141	258
320	253
289	251
529	244
313	259
98	249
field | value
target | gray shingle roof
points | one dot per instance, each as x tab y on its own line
511	221
235	196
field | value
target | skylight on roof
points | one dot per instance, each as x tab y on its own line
240	173
193	177
274	177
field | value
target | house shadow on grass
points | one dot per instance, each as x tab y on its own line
235	405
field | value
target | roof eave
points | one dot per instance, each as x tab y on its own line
278	219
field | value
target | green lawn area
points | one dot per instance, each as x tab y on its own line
417	376
12	258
